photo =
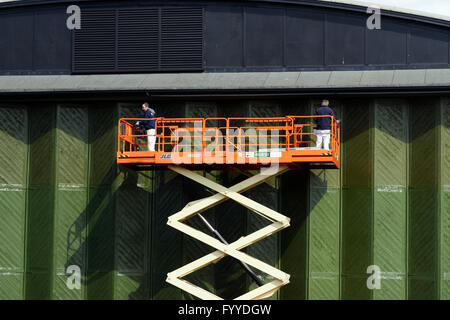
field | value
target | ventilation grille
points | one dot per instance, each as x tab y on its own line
181	39
94	44
139	40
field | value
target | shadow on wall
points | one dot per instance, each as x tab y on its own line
116	229
123	229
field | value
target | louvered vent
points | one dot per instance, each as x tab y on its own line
94	44
181	39
139	40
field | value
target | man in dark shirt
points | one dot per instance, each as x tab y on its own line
323	125
149	125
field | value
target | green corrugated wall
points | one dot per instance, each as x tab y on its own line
63	201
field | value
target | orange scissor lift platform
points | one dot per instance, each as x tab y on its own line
184	145
246	142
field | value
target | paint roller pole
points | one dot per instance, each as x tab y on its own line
244	265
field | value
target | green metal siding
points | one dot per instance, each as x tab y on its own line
13	186
390	196
357	198
41	205
423	200
324	227
64	201
444	190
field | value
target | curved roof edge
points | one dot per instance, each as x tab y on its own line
351	5
392	8
426	79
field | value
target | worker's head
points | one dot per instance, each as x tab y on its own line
325	102
145	106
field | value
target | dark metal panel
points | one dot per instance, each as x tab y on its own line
131	237
388	44
94	44
16	41
347	8
264	37
344	43
428	44
52	41
166	243
223	38
294	240
304	38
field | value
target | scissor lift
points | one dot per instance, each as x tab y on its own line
183	145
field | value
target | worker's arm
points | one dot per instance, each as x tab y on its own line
148	115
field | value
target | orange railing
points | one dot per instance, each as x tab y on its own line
306	129
214	135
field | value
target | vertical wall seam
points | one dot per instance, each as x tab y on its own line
408	150
114	271
147	241
54	202
308	236
372	141
308	224
88	196
26	213
150	227
438	193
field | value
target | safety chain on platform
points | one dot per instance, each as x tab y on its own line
278	220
